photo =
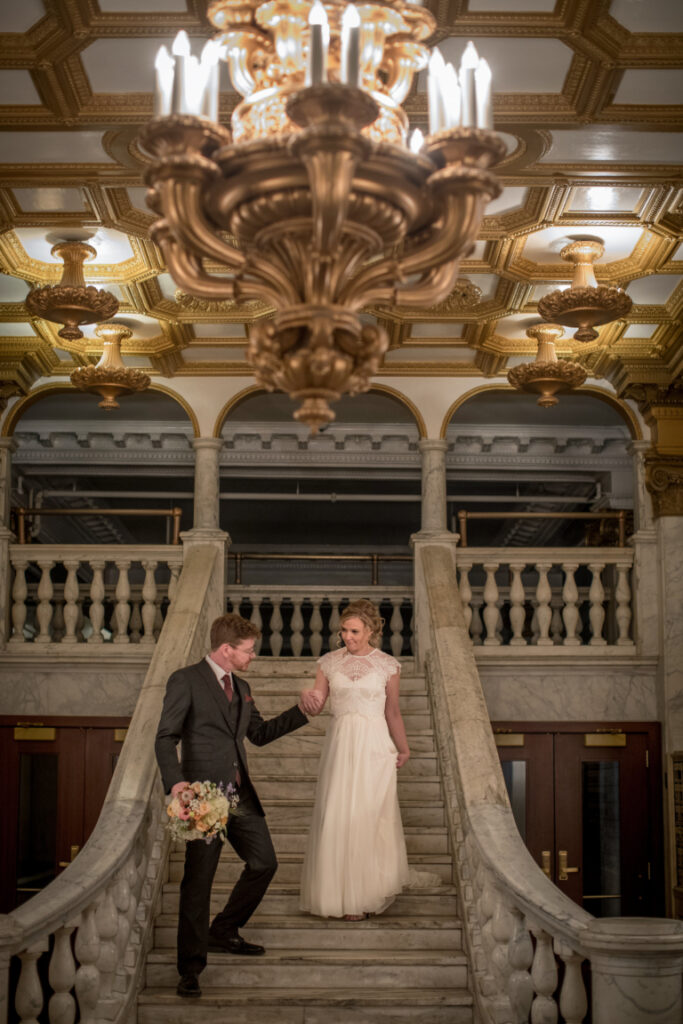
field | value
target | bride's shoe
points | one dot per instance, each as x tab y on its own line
356	917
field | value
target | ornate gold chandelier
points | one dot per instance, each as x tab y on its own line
547	376
110	378
314	203
72	302
586	304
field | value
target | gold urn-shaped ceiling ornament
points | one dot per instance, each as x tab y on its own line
313	203
110	378
586	304
72	302
547	376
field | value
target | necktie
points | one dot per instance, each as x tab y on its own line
227	685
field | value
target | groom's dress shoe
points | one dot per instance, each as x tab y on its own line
188	986
234	944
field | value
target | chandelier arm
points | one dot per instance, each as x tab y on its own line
432	289
181	202
453	235
186	270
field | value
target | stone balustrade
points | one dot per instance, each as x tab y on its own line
301	621
72	594
527	942
81	942
544	597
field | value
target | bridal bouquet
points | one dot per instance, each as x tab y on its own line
201	810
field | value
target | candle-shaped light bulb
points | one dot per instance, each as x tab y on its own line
437	116
181	52
468	97
482	77
319	41
164	66
451	91
416	141
350	52
209	73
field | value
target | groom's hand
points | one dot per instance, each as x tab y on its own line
311	702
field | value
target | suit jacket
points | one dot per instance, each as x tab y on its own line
196	714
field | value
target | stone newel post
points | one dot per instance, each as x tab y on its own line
206	530
7	446
434	530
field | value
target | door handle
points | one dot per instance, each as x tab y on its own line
74	852
545	862
564	871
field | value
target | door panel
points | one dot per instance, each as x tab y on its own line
530	787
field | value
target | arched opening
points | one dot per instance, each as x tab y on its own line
509	456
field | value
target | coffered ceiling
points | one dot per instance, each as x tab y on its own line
588	95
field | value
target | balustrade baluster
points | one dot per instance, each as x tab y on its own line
107	922
122	898
396	626
596	614
517	609
297	626
97	601
544	977
543	596
570	612
87	949
256	619
276	627
62	975
174	571
44	609
334	623
465	591
122	611
316	626
71	593
502	929
623	596
520	955
19	595
135	622
149	596
491	605
28	1000
573	1001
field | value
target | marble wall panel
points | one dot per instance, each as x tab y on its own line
80	690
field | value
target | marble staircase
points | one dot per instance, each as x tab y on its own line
405	965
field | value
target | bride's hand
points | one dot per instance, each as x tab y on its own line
311	702
403	756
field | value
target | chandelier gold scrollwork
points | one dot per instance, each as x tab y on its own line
330	210
586	304
72	302
110	378
547	376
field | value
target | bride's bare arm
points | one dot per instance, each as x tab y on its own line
392	713
316	697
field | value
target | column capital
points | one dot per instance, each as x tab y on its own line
636	447
8	444
433	444
664	481
212	443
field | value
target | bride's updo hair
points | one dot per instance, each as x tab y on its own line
369	615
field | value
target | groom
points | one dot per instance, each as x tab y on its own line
210	709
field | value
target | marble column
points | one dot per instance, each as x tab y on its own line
636	965
7	447
645	584
434	530
206	529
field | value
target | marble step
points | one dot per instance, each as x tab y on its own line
289	867
283	900
270	787
307	1006
285	812
320	969
418	840
308	742
305	932
272	762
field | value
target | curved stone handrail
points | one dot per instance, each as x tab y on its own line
107	895
506	898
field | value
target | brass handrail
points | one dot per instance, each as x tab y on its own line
463	516
374	559
28	513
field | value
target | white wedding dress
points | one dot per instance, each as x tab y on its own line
356	858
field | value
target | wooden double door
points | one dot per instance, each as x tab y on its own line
55	772
587	801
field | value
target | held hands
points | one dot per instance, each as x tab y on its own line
403	756
311	702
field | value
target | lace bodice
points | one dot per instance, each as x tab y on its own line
358	683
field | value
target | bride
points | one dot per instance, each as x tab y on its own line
355	861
